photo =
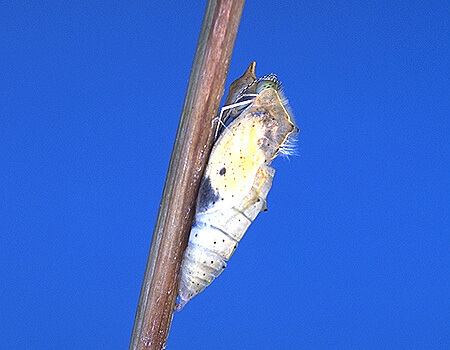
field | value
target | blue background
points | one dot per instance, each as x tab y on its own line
353	252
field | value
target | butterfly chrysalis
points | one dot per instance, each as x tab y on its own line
236	181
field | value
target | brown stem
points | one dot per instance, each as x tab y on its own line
189	156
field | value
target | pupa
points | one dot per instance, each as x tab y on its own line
236	181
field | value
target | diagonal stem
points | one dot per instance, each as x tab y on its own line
189	156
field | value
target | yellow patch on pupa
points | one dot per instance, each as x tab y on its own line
248	143
235	185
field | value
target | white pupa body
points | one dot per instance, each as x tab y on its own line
235	185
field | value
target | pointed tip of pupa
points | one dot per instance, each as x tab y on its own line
182	300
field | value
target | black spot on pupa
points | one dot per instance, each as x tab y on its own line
206	195
222	171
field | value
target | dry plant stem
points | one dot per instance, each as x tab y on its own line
189	156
